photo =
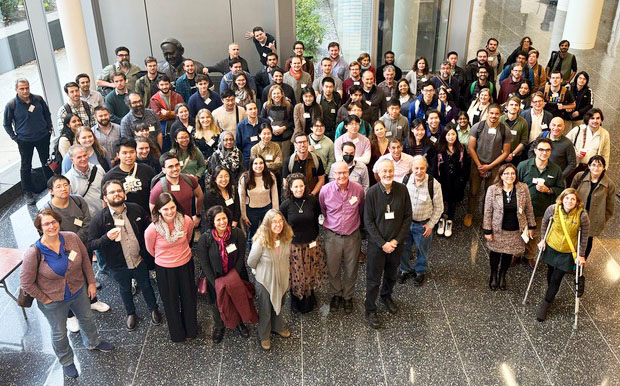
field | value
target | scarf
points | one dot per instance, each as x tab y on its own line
162	228
294	74
221	243
230	158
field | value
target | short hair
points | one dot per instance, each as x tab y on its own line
482	50
326	59
333	44
328	79
351	118
118	73
101	108
162	200
426	84
388	52
203	77
163	78
543	140
297	135
555	72
80	76
227	93
74	148
21	80
515	99
70	84
273	54
389	67
444	63
533	51
214	211
396	140
354	104
563	41
394	102
452	53
347	143
125	141
265	126
495	106
299	42
277	69
149	59
590	113
121	48
167	156
140	127
492	39
234	61
355	63
188	60
258	28
356	88
46	212
598	158
104	188
418	157
537	94
54	178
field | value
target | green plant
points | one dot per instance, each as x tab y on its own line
50	5
308	25
8	9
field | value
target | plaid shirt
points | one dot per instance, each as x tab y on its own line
80	111
422	207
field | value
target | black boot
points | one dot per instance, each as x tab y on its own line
502	281
542	311
493	281
506	260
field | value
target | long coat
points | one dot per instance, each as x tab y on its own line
602	203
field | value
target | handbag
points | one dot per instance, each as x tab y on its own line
24	299
202	286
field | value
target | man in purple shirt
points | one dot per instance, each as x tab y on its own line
342	205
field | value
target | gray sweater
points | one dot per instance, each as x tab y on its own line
75	217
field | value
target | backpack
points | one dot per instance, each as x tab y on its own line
161	177
430	187
473	86
548	88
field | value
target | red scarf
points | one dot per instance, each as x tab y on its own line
294	74
221	242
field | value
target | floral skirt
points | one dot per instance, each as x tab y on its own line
308	268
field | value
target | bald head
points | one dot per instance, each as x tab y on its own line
341	171
556	126
233	50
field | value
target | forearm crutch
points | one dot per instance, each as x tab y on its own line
527	291
578	273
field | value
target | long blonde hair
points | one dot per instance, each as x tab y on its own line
265	236
199	130
284	102
96	146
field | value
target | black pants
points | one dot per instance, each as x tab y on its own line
123	277
378	264
26	150
177	289
589	247
494	260
554	280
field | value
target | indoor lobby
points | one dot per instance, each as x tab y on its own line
452	330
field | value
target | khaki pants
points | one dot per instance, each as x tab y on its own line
475	183
531	249
342	251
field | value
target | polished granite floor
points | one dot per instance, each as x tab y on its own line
451	331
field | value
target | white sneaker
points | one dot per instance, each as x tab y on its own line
440	226
448	231
99	306
73	325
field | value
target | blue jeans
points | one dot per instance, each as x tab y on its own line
255	215
423	245
56	315
100	261
123	277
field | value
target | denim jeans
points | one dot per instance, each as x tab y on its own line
56	315
255	215
423	245
123	277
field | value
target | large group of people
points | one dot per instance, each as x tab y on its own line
297	166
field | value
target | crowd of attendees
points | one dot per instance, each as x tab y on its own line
269	183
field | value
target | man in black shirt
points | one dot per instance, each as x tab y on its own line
388	58
263	78
265	43
298	163
277	77
387	217
136	178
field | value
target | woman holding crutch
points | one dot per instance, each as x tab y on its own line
565	244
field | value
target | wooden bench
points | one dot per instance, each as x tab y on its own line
10	260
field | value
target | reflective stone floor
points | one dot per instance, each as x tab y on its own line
451	331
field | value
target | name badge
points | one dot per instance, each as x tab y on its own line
31	108
389	215
275	127
513	132
268	157
207	101
312	244
151	128
538	181
303	85
433	139
119	223
388	98
333	111
522	106
423	79
175	188
448	108
181	163
492	130
317	146
491	59
277	243
254	138
306	115
229	202
368	103
237	100
422	197
231	248
357	83
78	222
388	133
543	126
477	112
353	200
356	140
211	142
264	54
190	128
72	255
550	176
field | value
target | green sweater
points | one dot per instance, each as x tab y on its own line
529	174
117	106
518	130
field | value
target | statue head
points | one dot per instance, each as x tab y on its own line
173	50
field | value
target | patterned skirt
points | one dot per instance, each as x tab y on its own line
308	268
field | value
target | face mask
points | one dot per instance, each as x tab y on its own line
348	158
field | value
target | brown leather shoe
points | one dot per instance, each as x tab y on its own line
361	258
286	333
265	344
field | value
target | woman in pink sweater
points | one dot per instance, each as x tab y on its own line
167	239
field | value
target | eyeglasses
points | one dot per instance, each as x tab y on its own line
544	150
509	174
301	143
49	223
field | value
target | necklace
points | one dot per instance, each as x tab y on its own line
508	196
301	210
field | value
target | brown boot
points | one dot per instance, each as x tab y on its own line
361	258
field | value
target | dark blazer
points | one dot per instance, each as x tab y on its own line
527	115
212	199
111	250
208	253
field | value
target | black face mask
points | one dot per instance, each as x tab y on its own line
348	158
